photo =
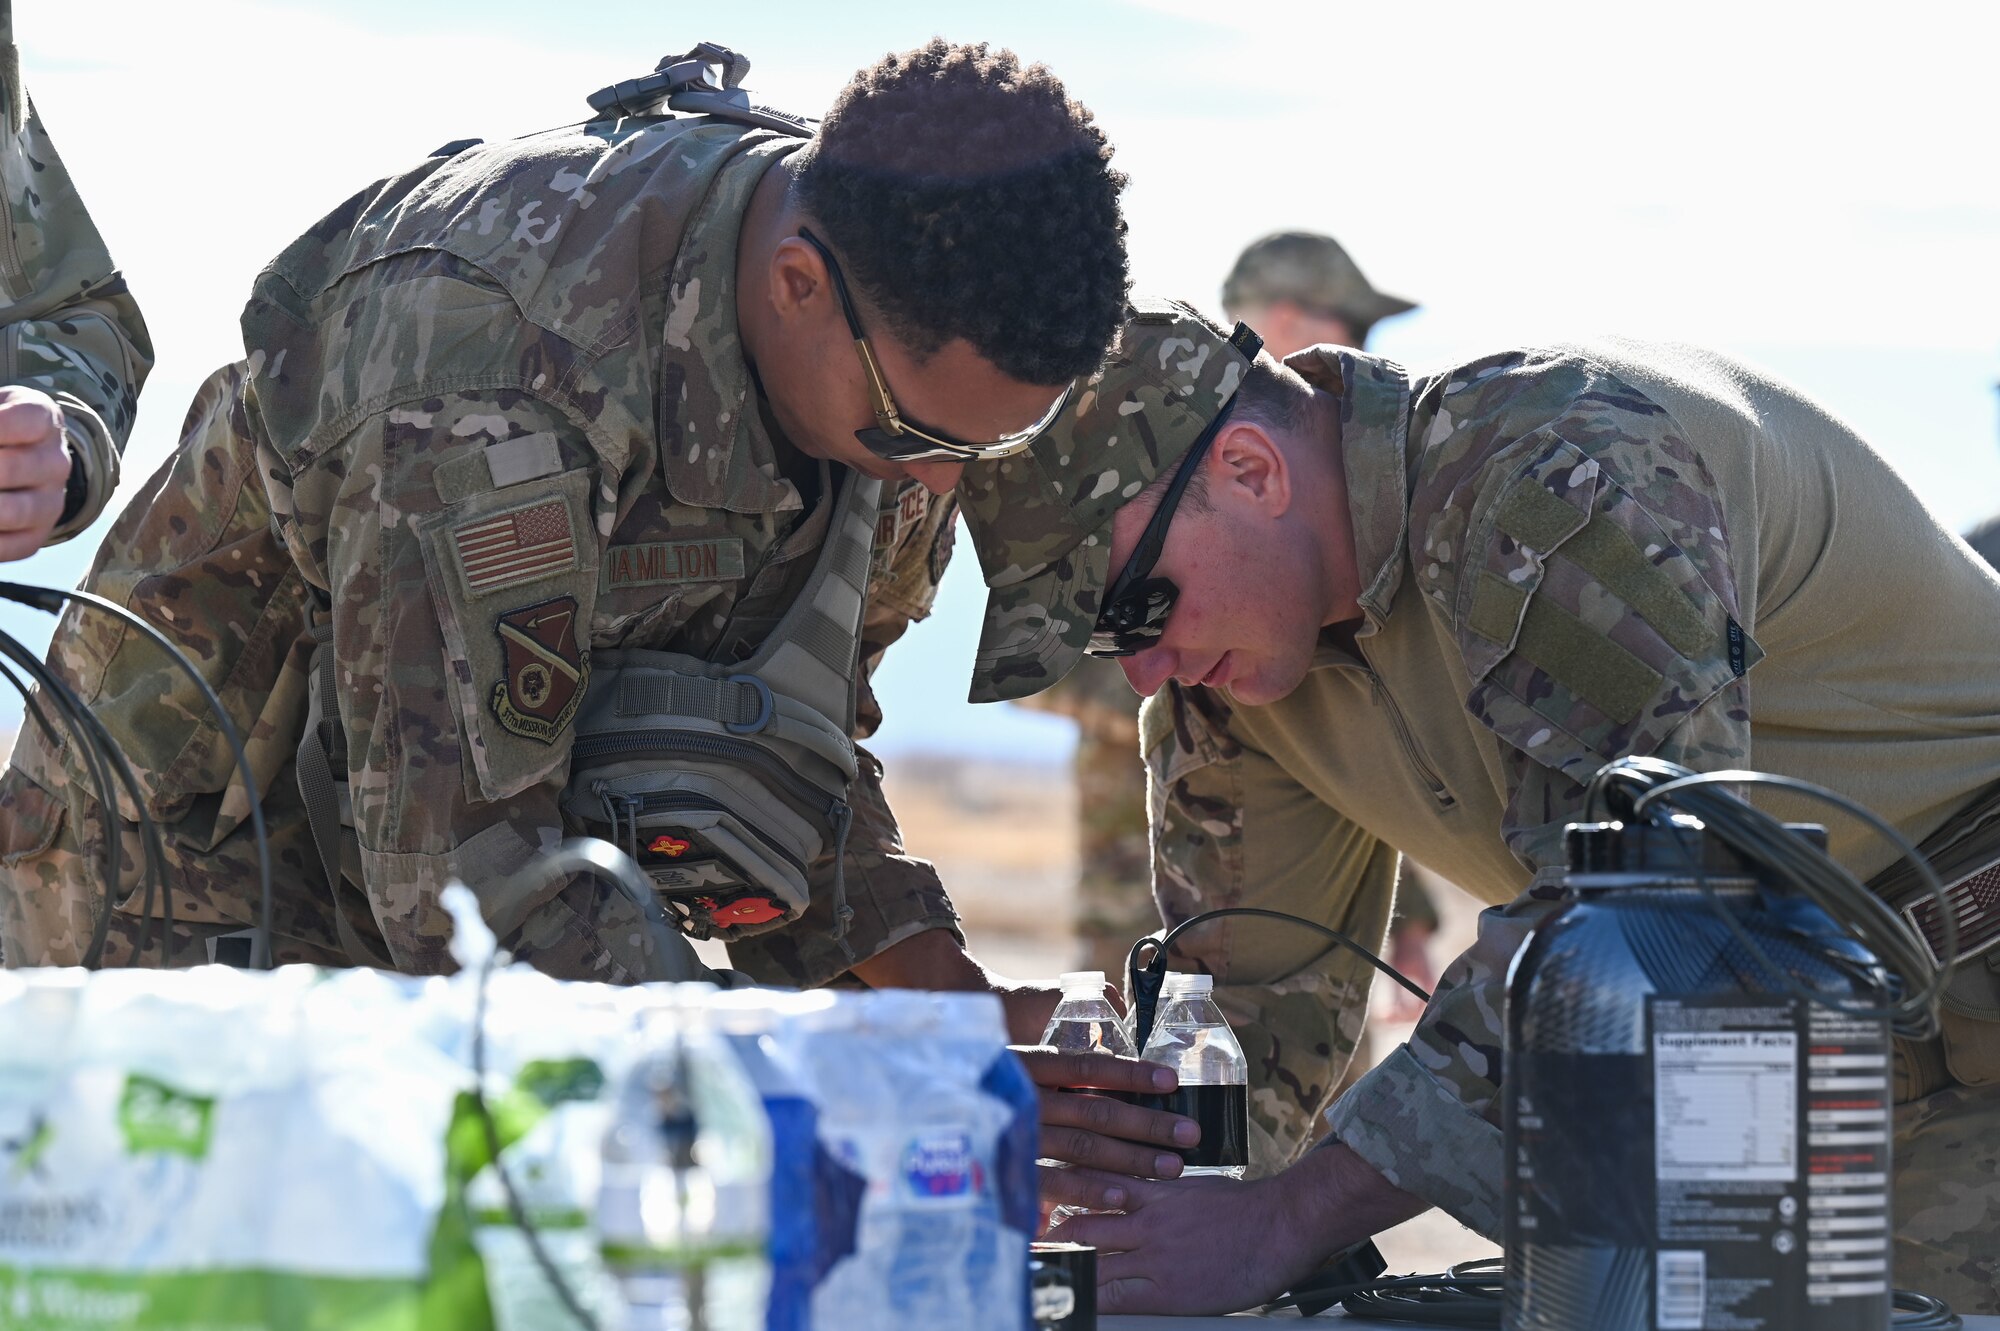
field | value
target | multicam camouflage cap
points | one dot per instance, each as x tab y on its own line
1041	519
1312	271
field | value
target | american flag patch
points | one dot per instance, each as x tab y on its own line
516	547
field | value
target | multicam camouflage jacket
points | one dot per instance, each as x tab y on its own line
1565	556
68	325
501	391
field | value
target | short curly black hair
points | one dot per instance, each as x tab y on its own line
971	197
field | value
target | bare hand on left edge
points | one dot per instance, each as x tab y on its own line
34	470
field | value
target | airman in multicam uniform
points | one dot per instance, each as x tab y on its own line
512	387
1417	612
73	347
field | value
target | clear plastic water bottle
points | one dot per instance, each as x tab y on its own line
1191	1036
682	1212
1084	1023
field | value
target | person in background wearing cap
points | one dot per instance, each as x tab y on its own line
1300	289
1379	612
73	346
1297	288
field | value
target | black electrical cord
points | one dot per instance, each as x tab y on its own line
1472	1293
50	599
1144	982
92	737
1765	840
76	719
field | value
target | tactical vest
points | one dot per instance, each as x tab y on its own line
725	781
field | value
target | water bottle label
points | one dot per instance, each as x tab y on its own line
941	1165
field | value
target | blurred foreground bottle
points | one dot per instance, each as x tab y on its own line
800	1187
1191	1036
683	1212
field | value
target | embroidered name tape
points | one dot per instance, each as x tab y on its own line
516	547
655	563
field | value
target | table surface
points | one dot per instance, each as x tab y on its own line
1331	1320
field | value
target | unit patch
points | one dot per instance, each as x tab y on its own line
670	846
662	563
515	547
545	669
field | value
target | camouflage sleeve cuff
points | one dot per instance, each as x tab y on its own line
94	458
1411	1127
894	897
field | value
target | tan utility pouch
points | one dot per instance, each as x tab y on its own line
727	781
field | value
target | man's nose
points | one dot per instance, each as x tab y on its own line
937	477
1146	671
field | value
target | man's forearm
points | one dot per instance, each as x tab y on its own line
935	959
1336	1199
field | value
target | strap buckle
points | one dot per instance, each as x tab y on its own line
765	707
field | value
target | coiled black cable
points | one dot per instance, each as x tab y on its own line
101	759
100	749
1472	1294
1651	786
51	599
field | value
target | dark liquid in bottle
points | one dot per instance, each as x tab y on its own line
1224	1115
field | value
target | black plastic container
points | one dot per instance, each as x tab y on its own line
1689	1146
1062	1280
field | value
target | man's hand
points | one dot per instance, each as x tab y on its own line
1210	1245
34	470
1114	1139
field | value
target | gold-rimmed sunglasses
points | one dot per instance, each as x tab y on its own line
900	438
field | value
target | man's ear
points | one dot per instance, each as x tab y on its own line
1246	462
798	279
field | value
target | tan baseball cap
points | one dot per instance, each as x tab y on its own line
1310	270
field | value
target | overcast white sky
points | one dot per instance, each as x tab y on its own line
1807	186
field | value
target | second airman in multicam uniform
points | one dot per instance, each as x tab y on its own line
1395	612
1298	289
73	347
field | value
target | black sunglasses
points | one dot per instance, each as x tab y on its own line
900	438
1137	604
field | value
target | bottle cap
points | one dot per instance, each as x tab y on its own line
1185	983
1074	980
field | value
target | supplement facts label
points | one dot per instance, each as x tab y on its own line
1770	1163
1726	1104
